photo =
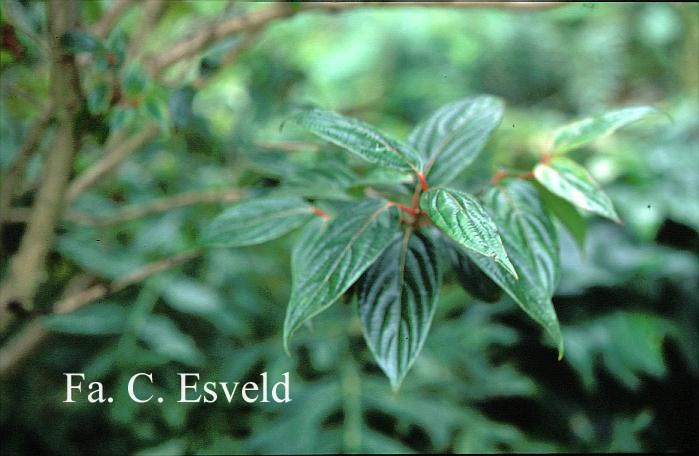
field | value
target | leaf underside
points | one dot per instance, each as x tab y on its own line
397	298
565	178
583	131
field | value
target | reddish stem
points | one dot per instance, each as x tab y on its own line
321	213
423	181
499	174
406	209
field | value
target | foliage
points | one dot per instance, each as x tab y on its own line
429	184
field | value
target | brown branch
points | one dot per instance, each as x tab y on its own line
13	176
104	25
27	266
228	59
256	19
118	149
34	333
151	12
156	207
191	45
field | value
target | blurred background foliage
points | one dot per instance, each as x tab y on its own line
628	301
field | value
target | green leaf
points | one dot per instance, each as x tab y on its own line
135	80
256	221
76	41
451	138
98	97
583	131
565	178
530	238
471	278
97	319
164	338
180	105
628	344
461	217
397	298
566	213
328	259
360	138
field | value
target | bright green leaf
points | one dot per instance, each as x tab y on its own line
256	221
461	217
360	138
397	298
566	213
325	263
530	238
454	135
565	178
583	131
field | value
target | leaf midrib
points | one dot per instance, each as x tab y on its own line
442	145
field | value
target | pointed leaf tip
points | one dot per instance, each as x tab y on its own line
462	217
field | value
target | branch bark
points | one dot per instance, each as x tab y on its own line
118	149
13	176
156	206
104	25
34	333
27	266
256	19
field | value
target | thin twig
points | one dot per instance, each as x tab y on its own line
151	12
13	176
156	207
253	20
228	59
118	149
34	333
104	25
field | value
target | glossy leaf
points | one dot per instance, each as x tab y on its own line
530	238
256	221
360	138
397	298
566	213
583	131
461	217
565	178
474	281
327	259
451	138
